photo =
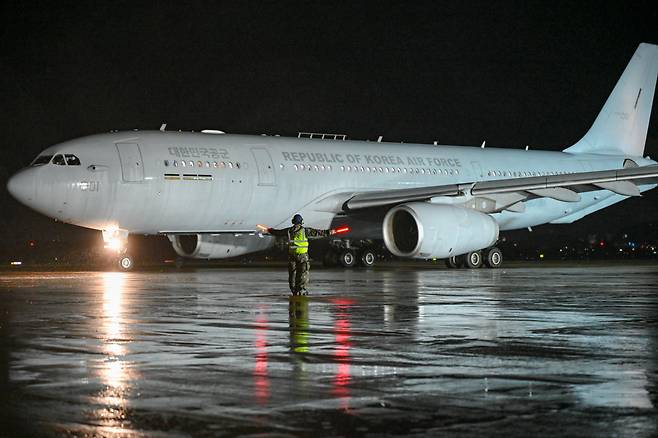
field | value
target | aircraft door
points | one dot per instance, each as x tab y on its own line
132	167
265	167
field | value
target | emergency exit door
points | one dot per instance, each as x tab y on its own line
265	167
132	167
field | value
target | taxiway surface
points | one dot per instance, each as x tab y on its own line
516	352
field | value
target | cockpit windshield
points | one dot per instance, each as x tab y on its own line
59	160
41	160
72	160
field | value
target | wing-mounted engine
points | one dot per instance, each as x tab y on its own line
424	230
221	246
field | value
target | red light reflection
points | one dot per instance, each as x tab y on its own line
261	381
342	352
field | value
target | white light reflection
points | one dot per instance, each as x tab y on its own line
115	372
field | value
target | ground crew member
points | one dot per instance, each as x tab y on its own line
298	264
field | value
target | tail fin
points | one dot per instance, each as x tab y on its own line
621	126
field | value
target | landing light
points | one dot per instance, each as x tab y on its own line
113	244
16	263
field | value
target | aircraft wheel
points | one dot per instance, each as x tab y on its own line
451	262
347	259
368	258
473	260
494	258
126	262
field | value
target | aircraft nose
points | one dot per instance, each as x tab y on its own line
21	187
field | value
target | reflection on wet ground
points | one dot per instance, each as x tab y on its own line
523	351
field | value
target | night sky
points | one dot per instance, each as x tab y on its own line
510	73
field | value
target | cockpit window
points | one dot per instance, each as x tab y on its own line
41	160
59	160
72	160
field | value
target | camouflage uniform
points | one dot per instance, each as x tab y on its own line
298	264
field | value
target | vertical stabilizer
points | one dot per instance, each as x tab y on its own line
621	126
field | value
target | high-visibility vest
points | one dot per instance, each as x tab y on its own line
298	243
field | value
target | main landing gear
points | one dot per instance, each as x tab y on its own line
490	257
345	254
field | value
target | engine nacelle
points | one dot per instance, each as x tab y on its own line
424	230
222	246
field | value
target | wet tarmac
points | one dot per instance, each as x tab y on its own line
569	351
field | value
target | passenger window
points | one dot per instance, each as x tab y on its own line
72	160
59	160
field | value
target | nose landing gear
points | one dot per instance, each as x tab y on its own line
126	262
116	241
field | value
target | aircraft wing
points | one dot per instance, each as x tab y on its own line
511	191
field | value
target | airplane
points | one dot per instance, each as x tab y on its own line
208	191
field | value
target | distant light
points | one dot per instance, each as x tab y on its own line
541	256
16	263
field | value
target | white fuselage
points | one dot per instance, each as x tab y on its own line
178	182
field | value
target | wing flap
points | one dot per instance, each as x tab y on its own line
573	182
558	193
625	188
